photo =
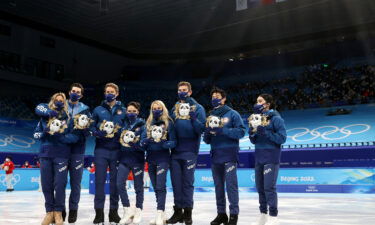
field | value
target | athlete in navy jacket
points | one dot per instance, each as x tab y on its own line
225	128
158	139
189	123
268	139
55	133
107	118
76	160
132	158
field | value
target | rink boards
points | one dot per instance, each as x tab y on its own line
307	180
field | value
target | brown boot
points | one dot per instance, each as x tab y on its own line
48	219
58	218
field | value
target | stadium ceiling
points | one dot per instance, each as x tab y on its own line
173	29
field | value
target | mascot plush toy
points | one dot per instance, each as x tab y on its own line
214	122
56	126
128	136
82	121
182	111
157	133
110	128
256	120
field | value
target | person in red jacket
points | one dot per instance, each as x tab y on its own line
130	180
146	177
91	168
8	167
26	165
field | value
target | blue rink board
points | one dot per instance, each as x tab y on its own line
324	180
291	180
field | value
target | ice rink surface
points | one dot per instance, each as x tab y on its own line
27	207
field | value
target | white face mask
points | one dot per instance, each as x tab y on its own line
7	160
184	109
109	127
255	120
83	120
55	125
214	122
129	137
157	132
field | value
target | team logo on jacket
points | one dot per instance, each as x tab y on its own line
182	110
214	122
56	126
119	112
110	128
225	120
128	136
256	120
82	121
157	133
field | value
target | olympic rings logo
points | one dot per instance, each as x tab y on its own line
325	134
16	140
14	180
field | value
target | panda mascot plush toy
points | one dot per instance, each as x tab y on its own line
256	120
128	136
110	128
182	111
214	122
157	133
82	121
56	126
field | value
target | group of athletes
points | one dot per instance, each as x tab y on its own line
166	140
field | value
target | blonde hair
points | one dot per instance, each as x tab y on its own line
164	117
51	103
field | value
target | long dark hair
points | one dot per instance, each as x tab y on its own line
269	99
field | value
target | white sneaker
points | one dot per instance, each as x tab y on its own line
152	222
126	218
160	218
137	216
272	220
261	220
